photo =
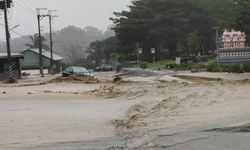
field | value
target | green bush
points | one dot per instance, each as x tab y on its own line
225	68
236	68
171	65
212	66
143	65
198	66
246	67
204	58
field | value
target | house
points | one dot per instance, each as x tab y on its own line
234	39
234	48
31	60
16	59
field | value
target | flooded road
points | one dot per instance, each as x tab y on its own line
29	121
152	111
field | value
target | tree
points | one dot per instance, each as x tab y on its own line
193	42
172	24
242	20
35	42
73	54
100	51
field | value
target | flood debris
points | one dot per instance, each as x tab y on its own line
105	91
127	124
118	79
10	81
75	79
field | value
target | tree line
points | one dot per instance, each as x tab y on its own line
173	27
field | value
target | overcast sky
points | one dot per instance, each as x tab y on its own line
79	13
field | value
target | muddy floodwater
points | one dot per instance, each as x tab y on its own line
141	110
30	121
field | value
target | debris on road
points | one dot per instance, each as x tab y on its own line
75	79
118	79
106	91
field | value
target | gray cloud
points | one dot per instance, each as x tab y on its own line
80	13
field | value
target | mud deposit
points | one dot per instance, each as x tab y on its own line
105	91
75	79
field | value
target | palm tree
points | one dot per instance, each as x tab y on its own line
35	42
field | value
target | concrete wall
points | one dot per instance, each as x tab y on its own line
234	56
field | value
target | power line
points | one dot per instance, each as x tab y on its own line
27	6
35	3
17	33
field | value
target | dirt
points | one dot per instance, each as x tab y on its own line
75	79
10	81
107	91
118	79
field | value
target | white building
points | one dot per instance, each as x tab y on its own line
234	47
234	39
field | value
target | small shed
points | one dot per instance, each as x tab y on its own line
31	60
16	60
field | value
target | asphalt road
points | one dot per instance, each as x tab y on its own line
183	137
175	141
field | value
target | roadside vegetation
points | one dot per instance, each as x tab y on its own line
231	68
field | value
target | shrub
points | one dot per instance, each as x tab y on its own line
204	58
143	65
225	68
246	67
170	65
212	66
198	66
236	68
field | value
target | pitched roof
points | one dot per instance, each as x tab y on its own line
46	54
13	55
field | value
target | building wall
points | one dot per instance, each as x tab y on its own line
31	61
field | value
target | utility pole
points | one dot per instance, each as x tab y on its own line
5	4
217	38
217	45
51	40
137	51
40	45
39	17
153	51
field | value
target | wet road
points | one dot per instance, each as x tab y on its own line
178	141
183	137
